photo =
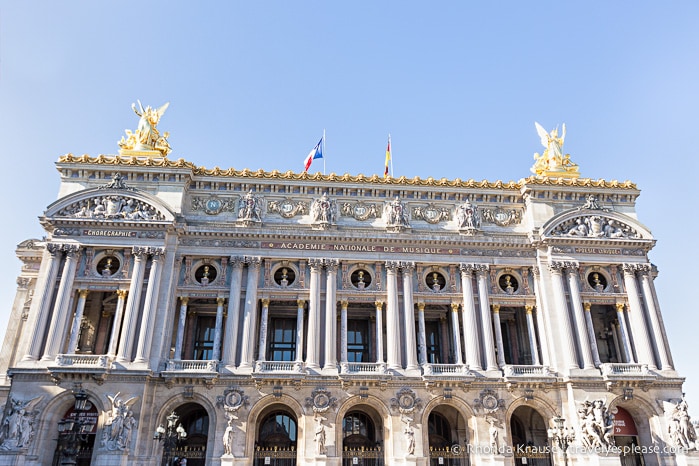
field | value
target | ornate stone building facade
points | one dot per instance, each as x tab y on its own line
306	319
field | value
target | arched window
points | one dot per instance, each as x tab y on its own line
358	430
277	430
439	431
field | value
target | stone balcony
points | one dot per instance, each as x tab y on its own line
626	371
95	366
527	372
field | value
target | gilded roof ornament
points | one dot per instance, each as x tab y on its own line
146	140
553	163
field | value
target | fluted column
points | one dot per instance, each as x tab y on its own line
42	301
580	325
216	353
542	323
393	344
184	301
486	322
456	334
637	322
262	347
313	340
132	304
468	310
409	316
300	303
498	335
247	344
421	334
564	324
145	338
591	334
116	323
230	341
532	335
654	314
59	322
379	332
330	315
627	355
343	332
77	321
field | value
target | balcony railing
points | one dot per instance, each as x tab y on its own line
84	360
445	369
363	368
279	366
520	370
625	370
183	365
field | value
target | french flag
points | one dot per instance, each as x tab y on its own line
315	153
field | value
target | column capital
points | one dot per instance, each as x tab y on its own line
536	271
83	293
237	261
455	307
139	252
300	303
253	261
315	264
157	253
407	267
421	307
331	265
71	250
379	305
184	300
392	266
265	302
644	269
344	304
619	307
466	269
122	293
220	300
556	267
495	308
53	248
481	269
629	269
529	309
572	268
587	306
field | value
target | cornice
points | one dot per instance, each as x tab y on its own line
164	162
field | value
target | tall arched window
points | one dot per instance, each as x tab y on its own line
277	430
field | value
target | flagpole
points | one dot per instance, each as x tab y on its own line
389	143
323	151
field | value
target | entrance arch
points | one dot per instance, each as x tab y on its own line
447	428
361	437
626	438
529	437
78	442
276	439
194	418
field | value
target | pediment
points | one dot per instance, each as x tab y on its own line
110	205
595	224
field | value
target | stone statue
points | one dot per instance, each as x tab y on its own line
681	430
249	208
596	425
116	434
409	433
467	217
395	215
553	162
147	137
324	210
493	434
228	435
17	429
320	435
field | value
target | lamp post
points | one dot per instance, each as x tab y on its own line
72	432
170	436
561	436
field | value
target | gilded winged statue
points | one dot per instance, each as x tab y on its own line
553	162
147	137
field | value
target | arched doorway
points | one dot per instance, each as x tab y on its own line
361	443
446	428
76	435
195	421
276	438
529	437
626	438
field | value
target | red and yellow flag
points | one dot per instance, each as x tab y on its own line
388	156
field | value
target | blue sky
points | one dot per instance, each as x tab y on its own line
458	85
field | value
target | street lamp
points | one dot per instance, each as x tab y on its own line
561	436
170	436
72	432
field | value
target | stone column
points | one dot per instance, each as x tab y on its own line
532	335
116	323
393	345
262	350
247	344
343	333
421	333
409	316
77	321
473	358
330	315
230	341
655	319
456	334
300	303
591	334
565	327
42	300
313	340
625	344
583	335
542	323
59	322
637	322
379	332
145	338
184	301
498	335
132	305
218	331
488	344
